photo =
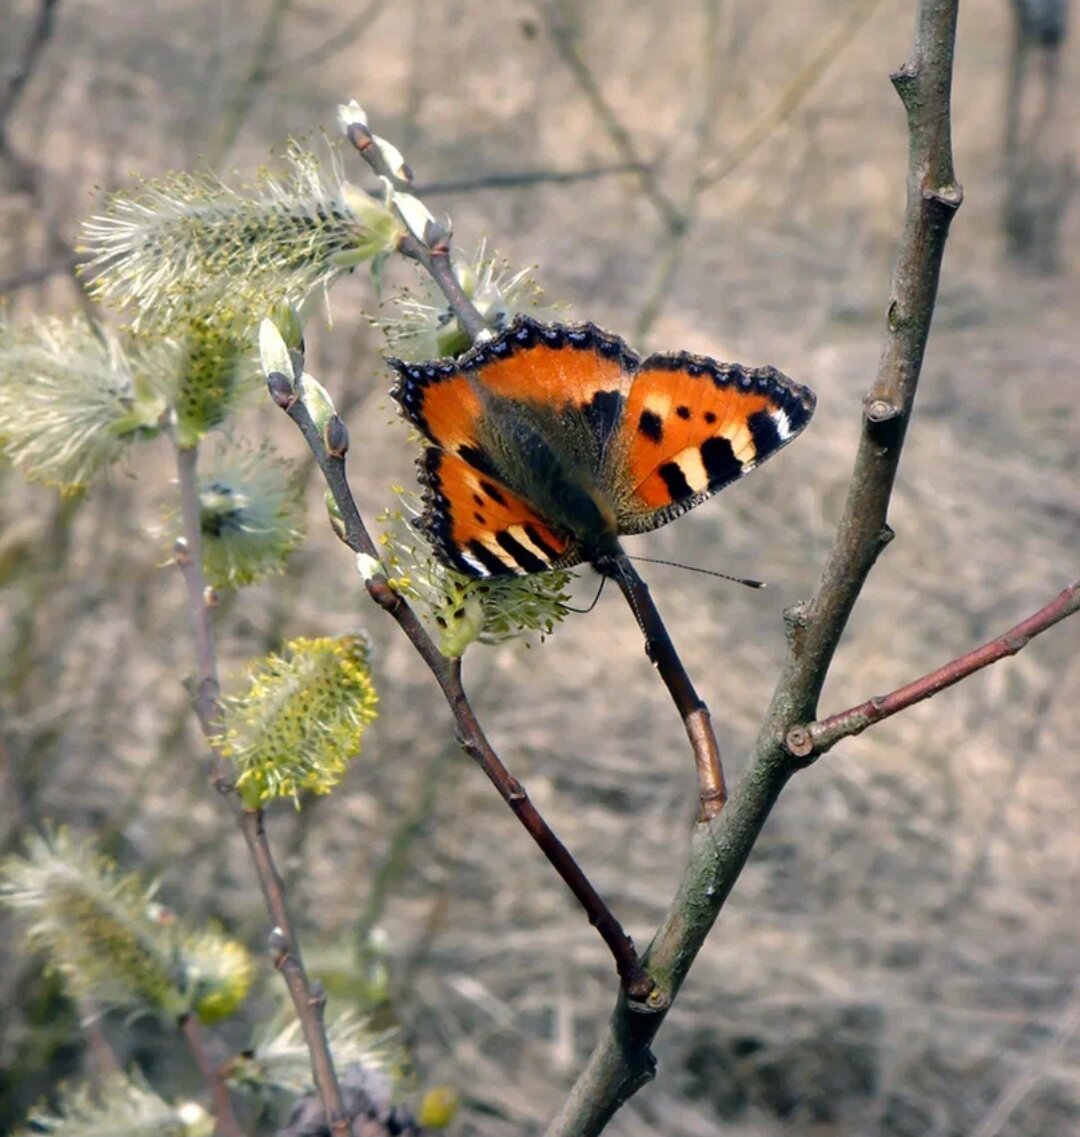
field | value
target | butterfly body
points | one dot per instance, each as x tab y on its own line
550	441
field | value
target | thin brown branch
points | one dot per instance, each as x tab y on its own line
228	1125
560	28
520	178
308	998
448	675
816	738
330	46
20	74
307	1001
712	791
622	1061
674	241
237	108
792	96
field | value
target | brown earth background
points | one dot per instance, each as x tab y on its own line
900	956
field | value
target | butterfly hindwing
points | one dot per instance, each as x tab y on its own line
482	528
692	426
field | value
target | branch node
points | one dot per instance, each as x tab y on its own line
317	996
951	196
906	81
278	943
800	741
878	409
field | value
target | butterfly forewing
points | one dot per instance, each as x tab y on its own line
692	426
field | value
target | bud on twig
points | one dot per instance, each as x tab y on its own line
336	437
281	390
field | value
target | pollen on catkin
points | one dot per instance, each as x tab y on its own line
301	719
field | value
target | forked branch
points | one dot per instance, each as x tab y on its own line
622	1060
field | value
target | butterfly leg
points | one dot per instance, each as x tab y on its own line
712	789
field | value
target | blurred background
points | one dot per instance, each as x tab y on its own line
900	956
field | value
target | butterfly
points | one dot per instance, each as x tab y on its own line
551	441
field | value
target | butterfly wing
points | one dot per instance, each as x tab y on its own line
473	520
692	426
511	421
479	526
575	375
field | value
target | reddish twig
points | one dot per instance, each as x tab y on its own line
307	998
448	675
712	790
816	738
228	1125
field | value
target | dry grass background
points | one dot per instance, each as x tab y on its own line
900	957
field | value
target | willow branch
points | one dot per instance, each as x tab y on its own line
816	738
622	1061
432	252
227	1123
559	26
307	1000
712	790
674	241
447	673
520	178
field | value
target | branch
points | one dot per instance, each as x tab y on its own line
562	36
512	180
20	75
448	675
760	130
622	1061
227	1123
308	1000
712	791
433	252
816	738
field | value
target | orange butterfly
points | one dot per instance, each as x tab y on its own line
551	441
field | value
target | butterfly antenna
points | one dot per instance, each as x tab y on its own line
707	572
596	600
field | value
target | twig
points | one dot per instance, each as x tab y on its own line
433	252
448	675
228	1124
20	75
708	174
239	106
333	44
789	99
307	999
562	36
816	738
712	791
512	180
622	1061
